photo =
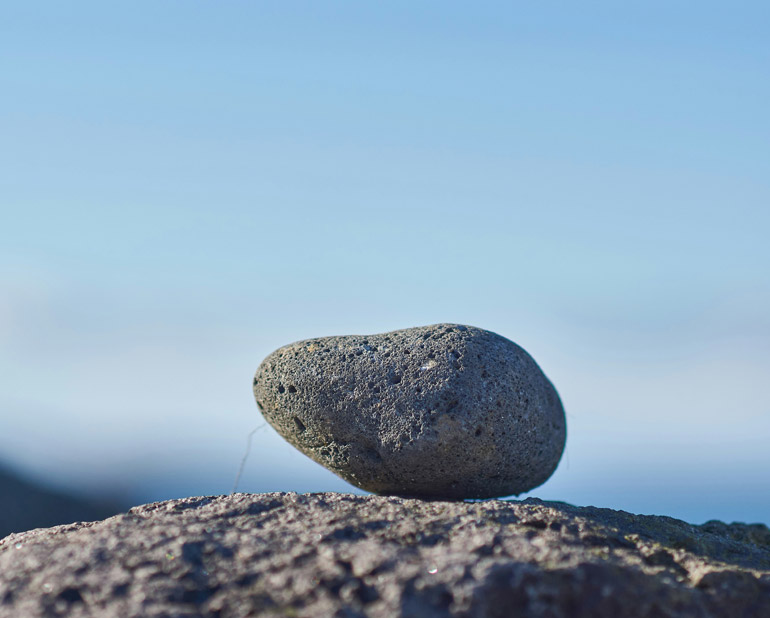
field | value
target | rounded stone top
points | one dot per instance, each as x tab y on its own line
444	411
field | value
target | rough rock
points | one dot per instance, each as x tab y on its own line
312	555
25	504
445	411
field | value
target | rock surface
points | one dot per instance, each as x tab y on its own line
284	554
446	411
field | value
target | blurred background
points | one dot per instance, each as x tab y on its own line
185	186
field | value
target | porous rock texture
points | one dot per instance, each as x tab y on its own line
444	411
312	555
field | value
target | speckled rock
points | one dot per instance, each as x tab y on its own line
443	411
283	554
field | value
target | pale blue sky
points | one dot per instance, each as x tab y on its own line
187	185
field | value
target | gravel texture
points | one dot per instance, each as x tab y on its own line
442	411
313	555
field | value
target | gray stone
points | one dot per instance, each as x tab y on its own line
443	411
331	554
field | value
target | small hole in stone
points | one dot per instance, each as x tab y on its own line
395	379
370	385
477	433
300	425
407	351
281	389
431	355
292	388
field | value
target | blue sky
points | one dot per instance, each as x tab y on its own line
186	186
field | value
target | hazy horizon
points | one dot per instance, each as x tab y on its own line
186	187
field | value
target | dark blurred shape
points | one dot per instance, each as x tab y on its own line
25	505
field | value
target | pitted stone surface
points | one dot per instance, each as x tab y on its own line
284	554
446	411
